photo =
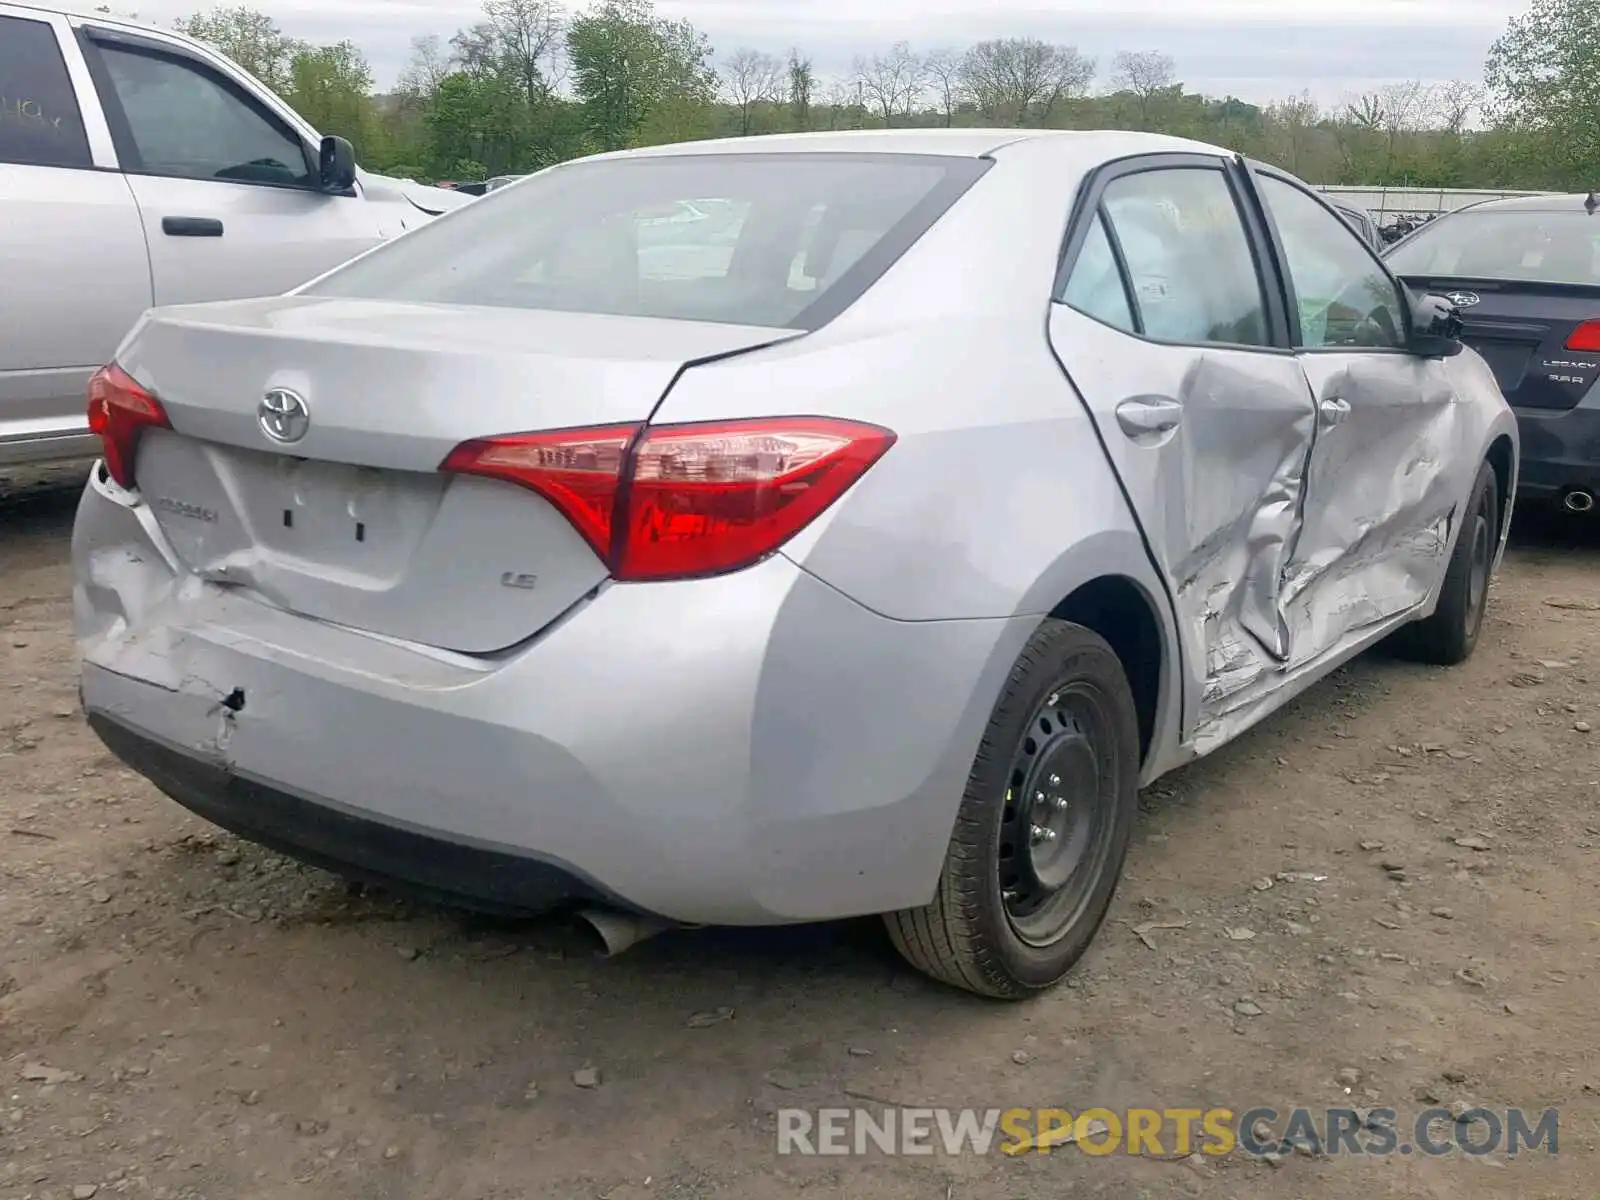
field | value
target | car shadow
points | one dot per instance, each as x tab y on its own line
40	501
1545	529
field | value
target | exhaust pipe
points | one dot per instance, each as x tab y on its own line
619	930
1579	501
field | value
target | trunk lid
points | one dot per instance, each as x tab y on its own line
353	524
1521	330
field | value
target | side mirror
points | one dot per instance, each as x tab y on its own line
336	168
1435	326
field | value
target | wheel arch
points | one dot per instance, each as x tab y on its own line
1127	616
1502	457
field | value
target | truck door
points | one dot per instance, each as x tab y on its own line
74	273
226	188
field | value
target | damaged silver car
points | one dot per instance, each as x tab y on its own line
861	551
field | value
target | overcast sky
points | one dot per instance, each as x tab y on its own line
1259	50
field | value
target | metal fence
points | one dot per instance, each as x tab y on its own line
1387	204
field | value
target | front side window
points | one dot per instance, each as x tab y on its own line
40	124
755	239
1345	297
187	123
1191	271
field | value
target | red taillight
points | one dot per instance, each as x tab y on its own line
119	412
676	501
1586	337
577	470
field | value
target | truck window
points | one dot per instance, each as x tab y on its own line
40	124
185	122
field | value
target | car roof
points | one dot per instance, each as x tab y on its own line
959	143
85	10
1569	202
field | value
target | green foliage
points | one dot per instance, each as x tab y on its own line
331	87
529	85
1543	76
641	78
252	39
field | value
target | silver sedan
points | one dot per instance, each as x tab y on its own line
782	529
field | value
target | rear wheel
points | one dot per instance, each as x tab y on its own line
1043	827
1450	634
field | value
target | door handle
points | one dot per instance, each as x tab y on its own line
191	226
1333	410
1141	418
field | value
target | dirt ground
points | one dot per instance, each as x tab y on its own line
183	1015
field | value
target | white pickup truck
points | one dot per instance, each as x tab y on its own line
138	167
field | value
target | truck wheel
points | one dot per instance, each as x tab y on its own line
1043	827
1450	634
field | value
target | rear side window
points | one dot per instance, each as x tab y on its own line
776	240
1191	272
1095	286
40	124
1520	246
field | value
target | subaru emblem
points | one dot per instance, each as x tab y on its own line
283	416
1463	299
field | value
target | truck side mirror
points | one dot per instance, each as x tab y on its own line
336	166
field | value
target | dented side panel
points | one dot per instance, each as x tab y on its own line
1385	482
1219	495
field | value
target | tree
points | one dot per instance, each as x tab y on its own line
943	68
526	33
429	64
1456	102
801	84
1295	120
252	39
1144	74
1011	79
752	78
843	99
476	50
892	82
330	86
476	126
1543	81
627	63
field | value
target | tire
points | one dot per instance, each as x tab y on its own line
1449	636
1065	729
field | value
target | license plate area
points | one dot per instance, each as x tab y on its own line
345	517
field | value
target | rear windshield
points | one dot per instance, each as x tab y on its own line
1538	247
778	240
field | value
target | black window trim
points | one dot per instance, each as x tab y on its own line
1088	204
1255	171
72	91
1119	260
91	37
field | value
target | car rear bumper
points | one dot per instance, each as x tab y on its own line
750	749
326	835
1560	450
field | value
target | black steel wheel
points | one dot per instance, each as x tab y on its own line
1043	827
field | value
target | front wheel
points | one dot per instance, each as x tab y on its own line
1450	634
1043	827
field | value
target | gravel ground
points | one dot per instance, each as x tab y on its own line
1385	896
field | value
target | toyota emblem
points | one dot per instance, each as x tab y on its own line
283	415
1463	299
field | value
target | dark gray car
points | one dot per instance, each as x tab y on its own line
1524	273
